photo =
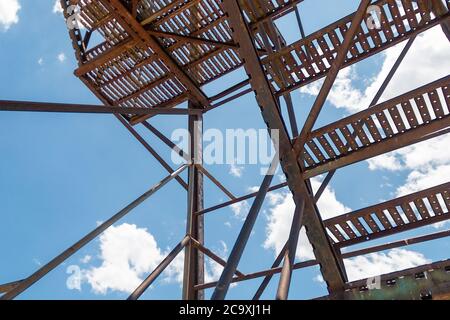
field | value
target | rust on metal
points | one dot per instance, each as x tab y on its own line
156	56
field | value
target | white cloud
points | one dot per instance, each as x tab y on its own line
343	94
253	189
380	263
40	61
86	259
128	254
57	7
213	269
427	60
9	10
61	57
280	218
429	153
240	209
428	162
236	170
361	267
422	179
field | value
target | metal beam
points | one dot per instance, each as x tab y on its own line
393	222
26	283
332	73
268	274
190	39
238	249
159	269
6	105
213	256
186	156
9	286
374	101
138	32
215	181
289	254
194	266
152	151
428	282
239	199
385	139
332	272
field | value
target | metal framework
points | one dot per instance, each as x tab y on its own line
158	54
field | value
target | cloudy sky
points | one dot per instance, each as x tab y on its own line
61	175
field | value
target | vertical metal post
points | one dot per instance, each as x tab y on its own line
289	254
194	270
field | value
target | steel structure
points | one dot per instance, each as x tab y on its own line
158	54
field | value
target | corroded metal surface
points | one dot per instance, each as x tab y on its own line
153	55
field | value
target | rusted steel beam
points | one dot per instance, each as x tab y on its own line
428	282
305	264
268	277
184	155
239	199
330	30
213	256
230	90
289	254
169	11
134	8
215	181
27	106
171	104
374	101
238	249
106	56
190	39
229	99
159	269
439	9
378	139
392	217
9	286
39	274
139	33
166	140
194	266
259	274
152	151
332	74
396	244
331	270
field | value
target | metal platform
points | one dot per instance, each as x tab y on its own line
157	55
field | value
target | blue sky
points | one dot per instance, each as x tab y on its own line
60	174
